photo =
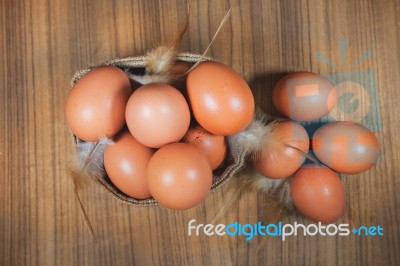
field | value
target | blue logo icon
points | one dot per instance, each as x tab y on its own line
357	90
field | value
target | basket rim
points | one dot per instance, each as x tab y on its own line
137	62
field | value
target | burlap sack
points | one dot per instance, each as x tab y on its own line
233	164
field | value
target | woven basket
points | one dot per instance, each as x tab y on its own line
232	165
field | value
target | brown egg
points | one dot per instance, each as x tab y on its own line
179	176
95	106
283	152
157	114
346	147
304	96
126	162
221	100
318	193
213	146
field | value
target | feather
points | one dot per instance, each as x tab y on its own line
250	141
77	182
278	189
146	79
88	165
250	181
160	60
244	179
223	21
90	157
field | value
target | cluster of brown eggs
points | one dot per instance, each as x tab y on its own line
339	147
166	140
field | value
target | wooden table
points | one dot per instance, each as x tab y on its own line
44	42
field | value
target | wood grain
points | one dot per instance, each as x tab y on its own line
44	42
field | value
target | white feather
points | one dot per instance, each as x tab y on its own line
250	141
90	157
146	79
277	188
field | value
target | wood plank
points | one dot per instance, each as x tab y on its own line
44	42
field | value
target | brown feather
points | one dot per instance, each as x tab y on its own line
223	21
87	166
160	60
77	183
250	141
